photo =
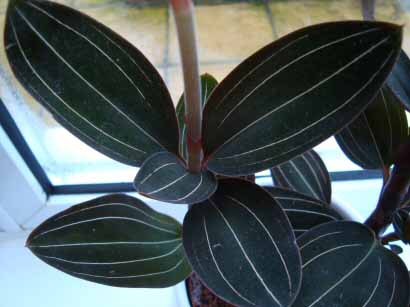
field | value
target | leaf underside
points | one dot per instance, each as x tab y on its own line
164	177
372	140
114	240
241	245
304	212
295	93
345	266
306	174
95	83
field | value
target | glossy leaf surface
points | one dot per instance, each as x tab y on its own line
401	224
372	140
96	84
208	83
164	177
399	79
352	267
241	244
295	93
303	212
114	240
306	174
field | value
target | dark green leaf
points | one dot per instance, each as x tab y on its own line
303	212
295	93
208	83
372	140
96	84
114	240
401	224
306	174
344	265
241	244
399	79
164	177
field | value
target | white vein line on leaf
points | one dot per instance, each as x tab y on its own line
294	149
286	179
245	254
306	182
319	237
191	192
115	262
313	159
311	212
363	157
106	218
317	203
390	151
61	99
130	276
289	64
314	175
218	268
92	44
156	170
373	139
329	251
393	290
124	52
322	118
375	287
38	34
167	185
106	243
343	278
257	67
282	259
116	205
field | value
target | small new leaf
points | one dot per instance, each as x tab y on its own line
344	265
306	174
303	211
208	83
95	83
241	244
295	93
401	224
114	240
372	140
164	177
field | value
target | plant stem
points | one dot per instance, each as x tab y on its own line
393	192
390	237
368	9
185	22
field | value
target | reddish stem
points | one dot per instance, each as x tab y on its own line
393	192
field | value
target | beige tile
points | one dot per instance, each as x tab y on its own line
292	15
144	28
175	79
3	6
226	32
391	11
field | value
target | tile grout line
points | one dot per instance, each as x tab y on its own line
165	64
271	20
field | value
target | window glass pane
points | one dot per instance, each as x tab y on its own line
228	31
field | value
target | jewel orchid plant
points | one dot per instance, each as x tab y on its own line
250	245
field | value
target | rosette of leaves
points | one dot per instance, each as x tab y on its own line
277	104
